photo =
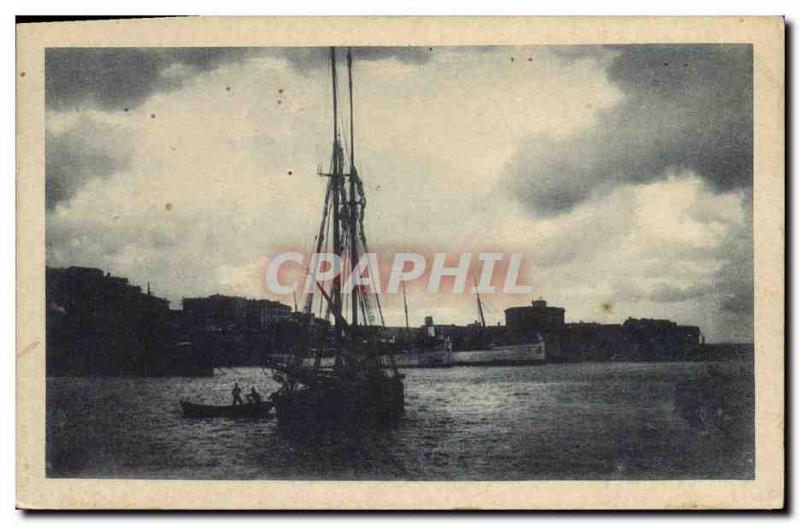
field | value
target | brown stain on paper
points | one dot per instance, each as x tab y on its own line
31	347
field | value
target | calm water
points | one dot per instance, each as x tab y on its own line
568	421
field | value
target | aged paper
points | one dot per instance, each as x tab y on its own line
566	291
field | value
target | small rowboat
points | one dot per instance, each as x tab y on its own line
249	410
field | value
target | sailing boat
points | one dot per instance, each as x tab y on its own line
363	385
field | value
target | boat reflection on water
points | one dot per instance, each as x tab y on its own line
352	451
246	411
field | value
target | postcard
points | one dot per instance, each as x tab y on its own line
400	263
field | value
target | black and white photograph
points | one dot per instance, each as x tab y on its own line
399	262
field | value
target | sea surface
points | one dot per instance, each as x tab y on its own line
616	421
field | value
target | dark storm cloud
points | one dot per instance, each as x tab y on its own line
733	283
737	296
116	78
674	294
84	151
580	52
730	288
685	107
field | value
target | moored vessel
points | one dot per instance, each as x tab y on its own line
362	385
520	354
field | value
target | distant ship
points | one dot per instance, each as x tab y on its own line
520	354
443	356
439	354
431	347
440	357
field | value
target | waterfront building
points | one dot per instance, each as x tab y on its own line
538	317
221	312
633	340
262	313
98	323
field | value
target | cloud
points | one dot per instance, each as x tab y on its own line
310	59
573	53
114	79
119	78
222	143
671	294
734	283
85	150
685	107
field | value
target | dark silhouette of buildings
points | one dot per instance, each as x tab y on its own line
221	312
100	324
535	318
633	340
238	331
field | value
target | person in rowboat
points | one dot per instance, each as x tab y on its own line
237	394
253	396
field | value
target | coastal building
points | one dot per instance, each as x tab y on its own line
633	340
221	312
538	317
216	312
98	323
262	313
238	331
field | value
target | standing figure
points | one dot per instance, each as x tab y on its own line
237	394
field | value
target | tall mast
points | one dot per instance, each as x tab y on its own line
480	305
336	293
405	303
335	102
352	206
350	84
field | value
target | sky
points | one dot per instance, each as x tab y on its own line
622	174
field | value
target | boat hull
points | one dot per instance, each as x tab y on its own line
404	359
250	410
424	358
523	354
509	355
370	402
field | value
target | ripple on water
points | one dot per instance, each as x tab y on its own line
576	421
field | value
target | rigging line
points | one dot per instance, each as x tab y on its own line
405	302
325	115
363	236
319	239
364	312
346	146
326	245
